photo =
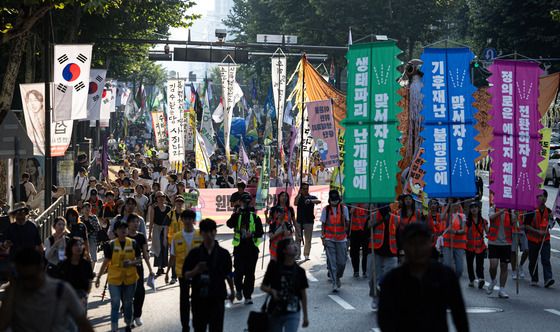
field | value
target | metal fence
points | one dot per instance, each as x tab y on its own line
45	220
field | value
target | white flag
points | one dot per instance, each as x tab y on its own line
218	115
207	128
95	92
71	78
106	103
231	93
279	91
113	96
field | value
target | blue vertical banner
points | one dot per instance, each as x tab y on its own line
448	121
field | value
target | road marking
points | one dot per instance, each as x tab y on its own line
556	229
311	278
553	311
375	329
554	250
341	302
556	237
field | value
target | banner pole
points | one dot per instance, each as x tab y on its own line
47	74
302	118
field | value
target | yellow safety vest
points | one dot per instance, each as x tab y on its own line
237	234
118	274
182	249
174	226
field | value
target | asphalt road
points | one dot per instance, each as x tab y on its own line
533	309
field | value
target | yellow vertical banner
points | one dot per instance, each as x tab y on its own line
545	136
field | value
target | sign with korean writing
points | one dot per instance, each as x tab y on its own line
160	129
264	181
175	120
372	137
516	151
278	71
415	179
448	121
231	94
323	131
545	134
190	128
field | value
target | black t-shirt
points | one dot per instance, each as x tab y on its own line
78	230
210	284
140	240
22	236
79	276
224	181
305	210
108	250
288	281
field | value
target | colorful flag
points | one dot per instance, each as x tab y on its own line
71	78
232	93
175	100
218	114
323	131
95	92
516	151
448	121
106	103
201	157
206	127
544	140
264	182
244	163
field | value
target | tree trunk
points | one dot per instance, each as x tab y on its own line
30	61
11	73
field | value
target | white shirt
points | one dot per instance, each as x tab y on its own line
188	236
323	177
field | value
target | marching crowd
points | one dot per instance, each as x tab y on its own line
130	220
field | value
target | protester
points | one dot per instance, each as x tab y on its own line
208	266
286	283
323	176
499	248
80	183
281	222
77	228
22	233
520	243
27	190
171	189
96	204
212	178
142	201
435	224
121	257
127	209
55	247
175	226
334	224
77	270
359	238
92	226
157	214
403	303
35	302
86	190
248	232
305	218
476	248
454	237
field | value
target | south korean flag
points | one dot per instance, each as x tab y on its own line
95	93
71	81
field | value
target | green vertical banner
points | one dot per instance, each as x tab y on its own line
371	137
264	182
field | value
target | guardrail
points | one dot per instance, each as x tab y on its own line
45	220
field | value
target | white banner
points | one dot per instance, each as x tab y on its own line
307	145
71	78
106	103
175	100
279	91
190	124
207	128
160	129
230	91
113	96
95	93
202	161
218	115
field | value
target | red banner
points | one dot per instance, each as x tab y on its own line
214	203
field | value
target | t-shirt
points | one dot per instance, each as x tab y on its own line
26	235
210	284
501	237
43	310
142	203
305	210
188	236
288	281
140	240
79	276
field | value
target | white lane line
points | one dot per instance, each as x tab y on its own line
554	250
375	329
341	302
311	278
553	311
556	237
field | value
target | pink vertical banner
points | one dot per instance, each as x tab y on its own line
323	131
516	124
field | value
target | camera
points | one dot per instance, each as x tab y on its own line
204	283
221	34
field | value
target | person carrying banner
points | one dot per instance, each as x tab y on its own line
281	222
435	224
335	221
476	248
519	243
359	237
499	248
305	218
537	226
408	213
454	237
248	233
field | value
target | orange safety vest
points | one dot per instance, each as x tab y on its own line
456	241
359	219
416	217
494	227
539	222
475	237
334	226
435	226
274	240
379	232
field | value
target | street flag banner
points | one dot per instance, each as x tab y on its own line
244	163
160	129
113	96
106	103
264	182
202	160
218	114
278	63
545	134
71	78
307	146
371	135
415	180
449	133
176	135
206	127
229	93
95	93
32	96
323	131
516	151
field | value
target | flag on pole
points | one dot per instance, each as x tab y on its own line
264	182
245	164
349	36
278	65
218	115
95	93
202	160
232	93
71	78
206	127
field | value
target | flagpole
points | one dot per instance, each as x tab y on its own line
278	125
47	75
302	118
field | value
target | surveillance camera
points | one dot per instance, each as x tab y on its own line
166	49
221	34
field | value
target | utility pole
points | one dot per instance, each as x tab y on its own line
47	75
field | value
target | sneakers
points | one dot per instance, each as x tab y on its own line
548	283
491	287
521	274
128	329
173	280
338	283
138	321
480	283
356	274
306	258
471	284
364	275
248	301
535	283
373	304
502	294
514	275
334	288
238	295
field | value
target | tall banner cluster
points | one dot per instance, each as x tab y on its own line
371	135
448	123
175	122
231	94
278	64
516	151
71	79
323	131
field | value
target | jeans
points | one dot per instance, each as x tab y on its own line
92	242
359	243
245	262
382	266
545	261
127	293
139	294
471	256
336	258
208	312
184	303
288	322
454	258
307	234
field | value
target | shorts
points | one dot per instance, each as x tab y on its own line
503	253
521	242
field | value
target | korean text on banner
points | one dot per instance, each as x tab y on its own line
545	134
371	135
207	128
264	181
448	123
516	151
160	129
176	136
71	78
231	93
278	66
95	93
323	131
